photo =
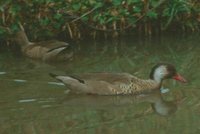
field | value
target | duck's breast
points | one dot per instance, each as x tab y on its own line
137	86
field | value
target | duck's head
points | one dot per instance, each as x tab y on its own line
163	71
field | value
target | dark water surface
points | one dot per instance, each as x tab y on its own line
29	104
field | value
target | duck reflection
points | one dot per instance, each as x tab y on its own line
157	102
161	106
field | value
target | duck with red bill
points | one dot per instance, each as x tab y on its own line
107	83
180	78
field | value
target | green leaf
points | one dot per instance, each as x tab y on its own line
14	27
116	2
99	4
152	14
136	9
57	16
101	19
132	20
154	3
44	21
76	6
15	9
2	31
57	25
1	8
136	1
95	17
124	12
85	18
110	19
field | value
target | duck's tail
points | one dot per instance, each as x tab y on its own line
66	79
73	83
61	53
53	75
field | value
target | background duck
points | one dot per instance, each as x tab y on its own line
119	83
45	50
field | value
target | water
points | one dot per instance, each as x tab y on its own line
32	102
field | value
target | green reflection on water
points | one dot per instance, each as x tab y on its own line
35	106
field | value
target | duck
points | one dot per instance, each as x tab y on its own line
48	51
108	83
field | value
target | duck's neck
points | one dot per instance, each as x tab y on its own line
22	38
157	79
157	75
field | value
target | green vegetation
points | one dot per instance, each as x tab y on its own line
79	19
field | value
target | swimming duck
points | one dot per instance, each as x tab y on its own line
119	83
45	50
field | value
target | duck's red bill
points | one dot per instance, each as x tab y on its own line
180	78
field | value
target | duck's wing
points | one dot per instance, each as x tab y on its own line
52	44
49	50
60	52
107	77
